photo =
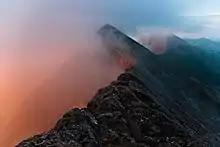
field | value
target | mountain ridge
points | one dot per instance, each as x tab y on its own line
178	90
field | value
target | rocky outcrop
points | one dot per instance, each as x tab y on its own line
117	117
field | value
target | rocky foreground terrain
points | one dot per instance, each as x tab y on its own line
117	117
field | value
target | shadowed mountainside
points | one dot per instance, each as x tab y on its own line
211	50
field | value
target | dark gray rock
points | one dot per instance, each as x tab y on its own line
116	117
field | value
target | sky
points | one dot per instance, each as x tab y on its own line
186	18
190	18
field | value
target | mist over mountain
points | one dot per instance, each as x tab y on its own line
87	68
183	77
205	43
182	86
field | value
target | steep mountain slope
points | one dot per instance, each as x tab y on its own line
177	84
185	85
116	117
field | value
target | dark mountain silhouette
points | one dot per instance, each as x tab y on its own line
177	84
186	86
115	117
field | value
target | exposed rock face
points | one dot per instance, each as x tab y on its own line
117	117
184	85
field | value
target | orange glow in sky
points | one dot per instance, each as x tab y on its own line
38	88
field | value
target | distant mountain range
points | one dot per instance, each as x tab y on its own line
211	49
204	43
